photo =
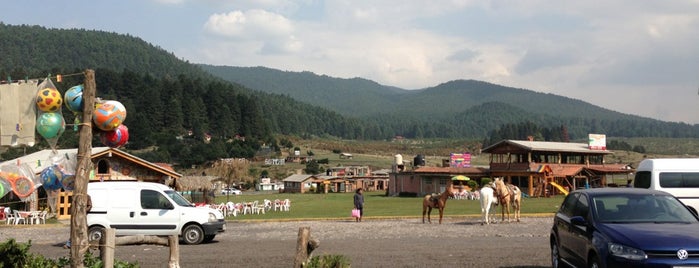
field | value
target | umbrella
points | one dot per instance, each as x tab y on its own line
460	178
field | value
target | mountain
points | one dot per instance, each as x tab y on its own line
453	109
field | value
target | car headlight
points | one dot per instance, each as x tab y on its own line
212	217
626	252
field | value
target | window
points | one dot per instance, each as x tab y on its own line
103	166
678	179
642	179
154	200
569	204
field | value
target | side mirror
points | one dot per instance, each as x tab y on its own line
694	211
578	220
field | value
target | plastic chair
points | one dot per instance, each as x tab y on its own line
18	218
10	216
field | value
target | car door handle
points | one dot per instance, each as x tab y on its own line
143	213
131	214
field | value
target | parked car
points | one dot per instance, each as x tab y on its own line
624	227
229	191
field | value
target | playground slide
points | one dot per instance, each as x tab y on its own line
559	187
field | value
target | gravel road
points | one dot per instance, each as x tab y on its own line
458	242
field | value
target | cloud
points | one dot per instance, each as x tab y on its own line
268	32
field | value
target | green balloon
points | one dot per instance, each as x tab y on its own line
50	125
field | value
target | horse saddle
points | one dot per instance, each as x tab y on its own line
434	200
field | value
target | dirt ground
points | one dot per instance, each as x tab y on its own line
458	242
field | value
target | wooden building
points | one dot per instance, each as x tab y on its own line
541	168
424	180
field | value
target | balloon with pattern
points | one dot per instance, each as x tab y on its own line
49	100
109	115
73	98
115	138
51	177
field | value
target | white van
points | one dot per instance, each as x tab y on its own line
146	208
677	176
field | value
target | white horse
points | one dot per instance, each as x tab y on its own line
487	198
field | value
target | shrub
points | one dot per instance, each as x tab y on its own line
407	194
17	255
328	261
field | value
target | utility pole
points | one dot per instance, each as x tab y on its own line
78	219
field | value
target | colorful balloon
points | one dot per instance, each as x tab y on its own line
51	177
109	115
50	125
115	138
74	98
49	100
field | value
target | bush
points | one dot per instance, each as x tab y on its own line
17	255
328	261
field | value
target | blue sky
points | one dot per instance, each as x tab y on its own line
635	57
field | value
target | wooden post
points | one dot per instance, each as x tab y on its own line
304	246
107	247
174	243
78	221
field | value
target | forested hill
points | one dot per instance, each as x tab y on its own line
458	108
166	98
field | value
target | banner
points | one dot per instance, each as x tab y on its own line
18	113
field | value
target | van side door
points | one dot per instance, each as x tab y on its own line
157	215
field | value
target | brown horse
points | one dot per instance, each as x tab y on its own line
508	195
438	202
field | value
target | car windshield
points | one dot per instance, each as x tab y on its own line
179	199
641	208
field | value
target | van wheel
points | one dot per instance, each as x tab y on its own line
192	234
95	234
208	238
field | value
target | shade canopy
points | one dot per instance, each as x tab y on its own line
460	178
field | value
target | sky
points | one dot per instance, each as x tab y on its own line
634	57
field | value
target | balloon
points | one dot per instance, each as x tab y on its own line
5	187
109	115
115	138
74	98
50	125
49	100
51	177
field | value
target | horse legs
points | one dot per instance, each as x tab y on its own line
424	211
441	212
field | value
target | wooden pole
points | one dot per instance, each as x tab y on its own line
78	220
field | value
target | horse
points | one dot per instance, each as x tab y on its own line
438	202
487	199
508	195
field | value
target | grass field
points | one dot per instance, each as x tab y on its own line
376	205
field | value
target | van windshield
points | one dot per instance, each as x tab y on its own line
179	199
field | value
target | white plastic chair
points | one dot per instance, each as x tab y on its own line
10	217
18	218
277	205
286	205
267	205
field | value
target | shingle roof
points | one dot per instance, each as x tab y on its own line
298	178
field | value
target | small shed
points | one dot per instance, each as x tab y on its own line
298	183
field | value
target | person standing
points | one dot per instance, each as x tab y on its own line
359	203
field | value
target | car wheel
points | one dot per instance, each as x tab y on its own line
192	234
95	234
555	257
593	261
208	238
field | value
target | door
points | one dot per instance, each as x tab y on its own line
156	215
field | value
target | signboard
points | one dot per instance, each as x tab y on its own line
597	141
460	160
